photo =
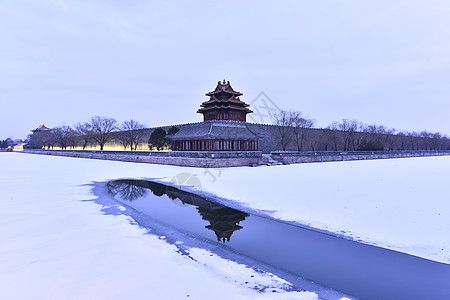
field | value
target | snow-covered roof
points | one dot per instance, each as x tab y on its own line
217	129
42	128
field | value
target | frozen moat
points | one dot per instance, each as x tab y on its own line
311	259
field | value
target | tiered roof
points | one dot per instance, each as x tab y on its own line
224	98
41	128
224	87
217	129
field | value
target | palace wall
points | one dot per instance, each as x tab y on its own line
315	139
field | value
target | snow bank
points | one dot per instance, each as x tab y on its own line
54	246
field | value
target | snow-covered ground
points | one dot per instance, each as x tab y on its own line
54	246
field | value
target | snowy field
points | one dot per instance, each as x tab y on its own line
54	246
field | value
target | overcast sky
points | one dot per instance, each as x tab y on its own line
383	62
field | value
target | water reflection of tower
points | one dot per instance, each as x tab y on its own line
223	221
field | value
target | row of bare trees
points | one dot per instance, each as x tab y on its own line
292	125
297	132
97	130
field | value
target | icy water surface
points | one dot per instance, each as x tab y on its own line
364	271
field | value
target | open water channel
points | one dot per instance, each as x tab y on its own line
331	265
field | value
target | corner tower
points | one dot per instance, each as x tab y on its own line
224	104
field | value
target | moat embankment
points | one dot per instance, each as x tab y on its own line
219	159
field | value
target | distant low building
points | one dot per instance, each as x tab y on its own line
224	127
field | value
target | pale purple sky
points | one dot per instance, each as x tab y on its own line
382	62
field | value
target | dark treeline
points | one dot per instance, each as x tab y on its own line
6	143
99	131
296	133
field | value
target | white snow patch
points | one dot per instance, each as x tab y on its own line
237	272
245	276
55	246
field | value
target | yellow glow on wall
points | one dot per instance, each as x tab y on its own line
111	147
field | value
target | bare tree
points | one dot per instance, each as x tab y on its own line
73	140
123	140
300	127
132	133
41	140
349	127
374	138
390	139
445	143
432	141
317	139
402	140
102	128
62	136
84	132
333	137
416	141
411	143
283	121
